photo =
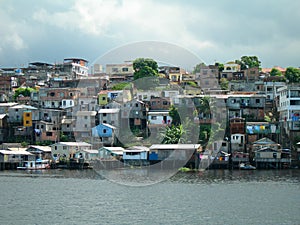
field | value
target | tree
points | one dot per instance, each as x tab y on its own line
173	112
275	72
145	68
173	135
25	92
248	62
121	86
224	83
198	67
220	66
292	74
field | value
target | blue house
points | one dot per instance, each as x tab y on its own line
105	132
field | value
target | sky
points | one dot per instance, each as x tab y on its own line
213	31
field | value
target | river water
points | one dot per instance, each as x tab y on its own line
206	197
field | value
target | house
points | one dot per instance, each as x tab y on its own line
22	119
110	116
252	74
258	130
268	154
87	154
134	114
136	155
111	153
289	109
229	69
12	159
159	118
85	121
56	98
238	142
68	150
125	69
159	103
3	127
40	152
103	97
147	95
5	106
67	126
72	68
106	132
251	105
178	152
208	77
46	131
16	113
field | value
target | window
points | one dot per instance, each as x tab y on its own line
85	125
27	114
64	103
104	131
257	101
104	114
153	117
71	94
52	94
165	103
64	147
48	134
71	103
55	147
27	122
103	98
85	117
125	69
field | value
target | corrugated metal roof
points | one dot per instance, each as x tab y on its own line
7	152
175	146
108	110
73	143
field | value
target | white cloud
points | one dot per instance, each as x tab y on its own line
128	20
11	33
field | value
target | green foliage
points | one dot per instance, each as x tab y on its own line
275	72
23	91
204	133
248	62
63	137
220	66
121	86
224	83
198	67
173	135
173	112
144	67
192	84
292	74
24	144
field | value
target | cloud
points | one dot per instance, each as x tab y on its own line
214	30
11	33
127	20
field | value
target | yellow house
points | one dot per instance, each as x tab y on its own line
103	97
27	119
